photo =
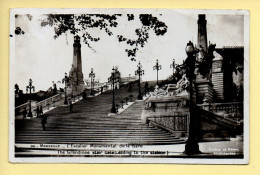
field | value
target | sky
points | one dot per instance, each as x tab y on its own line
43	59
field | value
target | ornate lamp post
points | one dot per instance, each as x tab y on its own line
113	79
173	66
117	74
157	67
192	146
65	80
29	88
92	76
140	72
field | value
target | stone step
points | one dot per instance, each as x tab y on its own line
112	137
102	130
95	138
106	142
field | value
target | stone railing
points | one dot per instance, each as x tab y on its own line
50	100
234	109
170	123
47	103
223	122
167	113
128	79
19	109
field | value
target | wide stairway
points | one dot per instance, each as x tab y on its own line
90	124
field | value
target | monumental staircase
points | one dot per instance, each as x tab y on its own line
89	123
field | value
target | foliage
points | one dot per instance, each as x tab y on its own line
148	23
76	24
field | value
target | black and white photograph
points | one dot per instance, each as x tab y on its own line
129	86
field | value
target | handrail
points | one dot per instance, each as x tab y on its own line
214	104
20	106
177	123
231	108
48	101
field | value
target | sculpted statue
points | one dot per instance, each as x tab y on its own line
182	84
159	92
217	56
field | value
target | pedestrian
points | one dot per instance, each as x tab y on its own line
24	113
71	106
146	87
130	87
41	111
44	121
84	95
101	89
37	111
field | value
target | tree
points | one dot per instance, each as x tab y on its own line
77	24
148	23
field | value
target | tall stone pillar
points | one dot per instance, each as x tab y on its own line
218	76
202	32
76	83
204	86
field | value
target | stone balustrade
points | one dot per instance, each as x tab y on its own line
167	113
44	103
49	101
171	123
19	109
233	109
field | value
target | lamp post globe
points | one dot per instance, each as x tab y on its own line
189	49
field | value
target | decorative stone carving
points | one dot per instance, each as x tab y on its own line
182	84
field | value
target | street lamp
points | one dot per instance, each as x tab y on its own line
157	67
139	72
173	66
65	80
117	73
191	146
113	79
30	87
92	76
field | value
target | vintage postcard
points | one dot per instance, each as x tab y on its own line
129	86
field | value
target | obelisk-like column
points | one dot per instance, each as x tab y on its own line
76	82
202	32
203	84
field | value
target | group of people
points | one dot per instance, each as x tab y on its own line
45	116
39	112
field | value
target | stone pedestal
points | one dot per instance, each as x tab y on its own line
218	76
204	91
